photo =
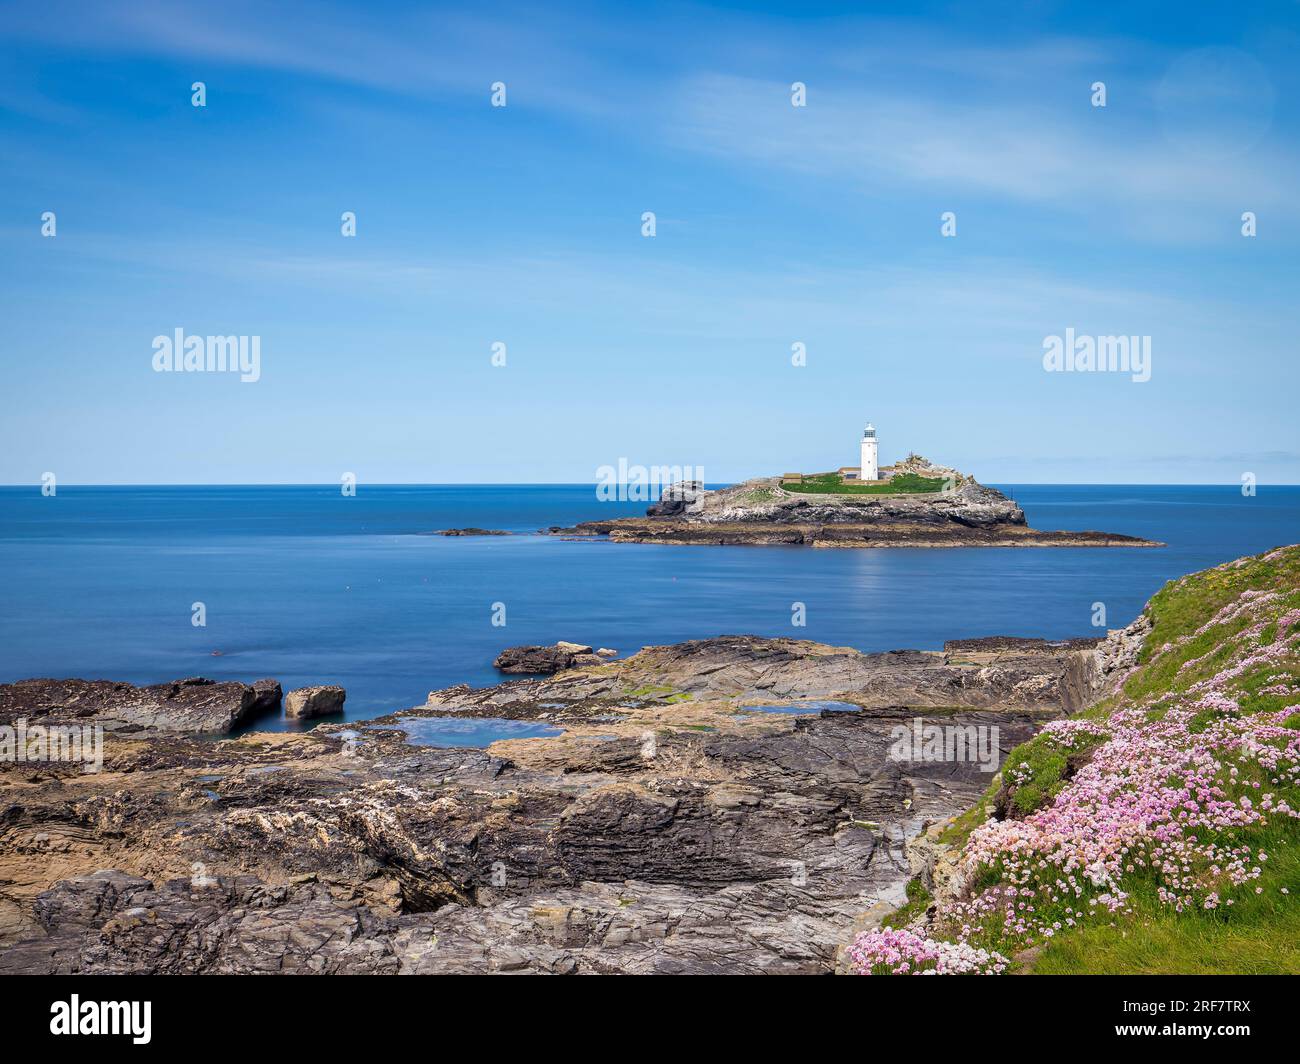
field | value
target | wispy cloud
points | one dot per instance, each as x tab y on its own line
891	106
413	52
1016	150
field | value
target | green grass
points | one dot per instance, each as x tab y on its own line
649	690
1184	605
1258	934
957	832
833	484
1039	766
918	900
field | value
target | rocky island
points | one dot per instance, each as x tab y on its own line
912	504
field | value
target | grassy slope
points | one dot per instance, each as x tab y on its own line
1260	932
904	484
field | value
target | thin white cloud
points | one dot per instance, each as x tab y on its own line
418	52
892	107
1015	150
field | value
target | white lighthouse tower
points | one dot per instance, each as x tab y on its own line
870	470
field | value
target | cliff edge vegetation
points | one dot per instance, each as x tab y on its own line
1156	832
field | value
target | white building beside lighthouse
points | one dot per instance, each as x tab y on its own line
870	469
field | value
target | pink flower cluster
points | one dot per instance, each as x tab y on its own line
889	951
1167	796
1073	734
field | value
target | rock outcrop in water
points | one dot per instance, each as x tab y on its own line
667	829
762	512
543	661
308	703
471	532
267	696
195	705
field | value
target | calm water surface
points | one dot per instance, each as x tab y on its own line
307	586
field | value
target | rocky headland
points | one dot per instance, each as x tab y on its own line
672	821
763	512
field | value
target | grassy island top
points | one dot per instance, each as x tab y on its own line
834	484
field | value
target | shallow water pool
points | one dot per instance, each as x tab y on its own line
803	708
467	731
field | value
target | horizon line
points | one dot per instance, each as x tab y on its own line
591	484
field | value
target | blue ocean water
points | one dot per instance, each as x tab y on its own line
308	586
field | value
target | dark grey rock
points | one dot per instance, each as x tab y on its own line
194	704
268	694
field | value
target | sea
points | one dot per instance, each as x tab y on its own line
310	586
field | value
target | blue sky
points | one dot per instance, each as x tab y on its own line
522	224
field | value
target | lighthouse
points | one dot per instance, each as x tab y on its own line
870	470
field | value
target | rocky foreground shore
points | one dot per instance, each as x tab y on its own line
665	828
761	512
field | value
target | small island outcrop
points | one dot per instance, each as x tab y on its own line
914	504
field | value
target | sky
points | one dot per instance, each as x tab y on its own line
775	225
